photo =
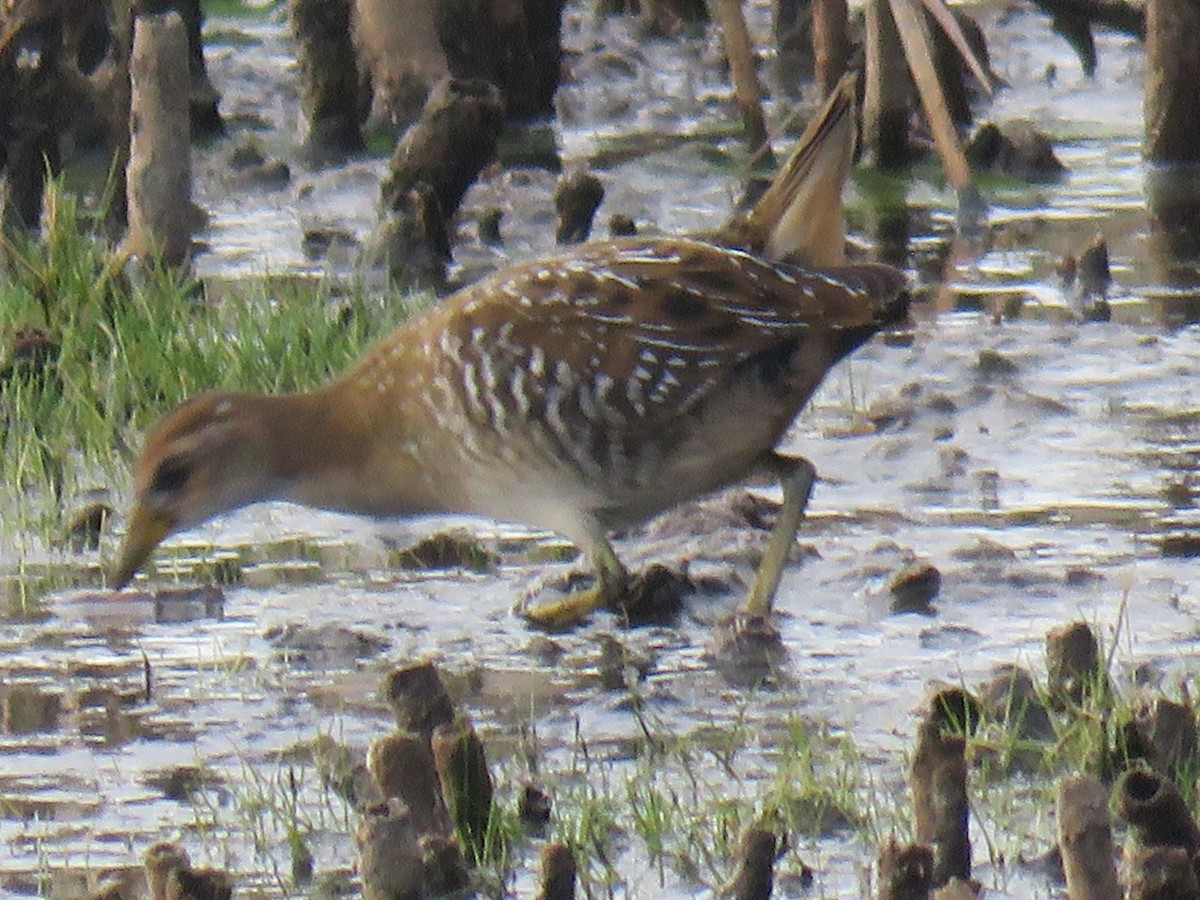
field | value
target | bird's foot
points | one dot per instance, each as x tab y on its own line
655	594
564	613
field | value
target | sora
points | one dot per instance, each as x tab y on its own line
582	392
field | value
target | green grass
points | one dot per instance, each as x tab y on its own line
680	803
127	344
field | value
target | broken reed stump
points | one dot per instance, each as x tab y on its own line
159	861
1162	863
159	174
576	198
1161	873
407	770
434	163
1010	697
170	876
31	93
888	97
343	771
403	767
400	59
743	70
556	880
517	46
754	878
63	71
328	76
1164	735
449	145
1156	811
831	42
418	699
1172	91
1073	664
1085	840
199	884
389	858
203	98
436	762
939	785
465	780
952	72
445	870
905	872
414	240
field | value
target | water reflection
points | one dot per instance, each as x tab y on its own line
1173	207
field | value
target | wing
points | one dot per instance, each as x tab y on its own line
638	333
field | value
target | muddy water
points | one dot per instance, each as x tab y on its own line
1041	464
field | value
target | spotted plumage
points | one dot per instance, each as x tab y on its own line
623	373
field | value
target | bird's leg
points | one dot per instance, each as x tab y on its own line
612	584
796	476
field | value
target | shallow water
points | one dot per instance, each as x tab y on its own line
1043	489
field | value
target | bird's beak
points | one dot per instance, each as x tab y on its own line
146	530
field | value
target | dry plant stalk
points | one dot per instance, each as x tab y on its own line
466	782
754	877
1154	807
1085	840
939	786
402	766
159	176
418	698
831	42
1161	873
739	49
557	879
905	872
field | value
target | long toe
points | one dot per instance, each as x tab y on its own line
562	614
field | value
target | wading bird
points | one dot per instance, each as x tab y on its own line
581	392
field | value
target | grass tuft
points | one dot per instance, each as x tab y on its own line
91	354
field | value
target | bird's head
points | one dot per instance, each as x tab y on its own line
204	458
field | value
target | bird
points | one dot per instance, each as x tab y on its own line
582	392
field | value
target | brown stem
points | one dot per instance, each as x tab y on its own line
466	782
905	872
743	69
1085	839
831	42
939	786
402	765
418	698
558	873
1153	806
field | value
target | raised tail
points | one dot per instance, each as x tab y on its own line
800	217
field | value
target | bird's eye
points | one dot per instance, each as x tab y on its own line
171	475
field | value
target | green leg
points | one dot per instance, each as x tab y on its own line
612	582
796	476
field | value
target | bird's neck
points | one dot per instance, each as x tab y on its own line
321	450
333	449
306	438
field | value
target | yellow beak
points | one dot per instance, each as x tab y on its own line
146	530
